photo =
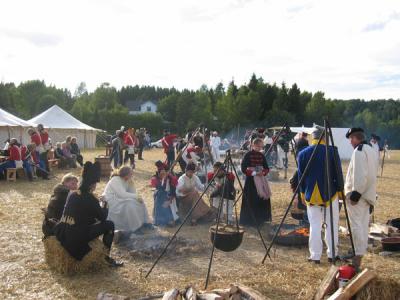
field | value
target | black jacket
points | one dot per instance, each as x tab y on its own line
81	211
54	209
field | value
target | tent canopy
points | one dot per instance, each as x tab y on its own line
339	138
7	119
56	117
61	124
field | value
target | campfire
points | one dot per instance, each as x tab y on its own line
300	231
151	246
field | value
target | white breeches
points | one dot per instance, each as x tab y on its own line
359	224
215	202
316	219
215	153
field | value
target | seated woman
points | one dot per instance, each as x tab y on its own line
84	219
71	158
58	153
74	148
165	209
127	210
187	190
57	202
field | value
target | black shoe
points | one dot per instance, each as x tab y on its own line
113	263
330	260
317	262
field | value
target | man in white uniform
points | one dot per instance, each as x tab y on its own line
360	190
215	142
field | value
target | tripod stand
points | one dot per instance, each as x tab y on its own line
327	134
227	165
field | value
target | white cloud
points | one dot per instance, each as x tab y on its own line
320	45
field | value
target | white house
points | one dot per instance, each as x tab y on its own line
140	107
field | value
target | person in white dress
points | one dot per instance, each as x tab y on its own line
126	208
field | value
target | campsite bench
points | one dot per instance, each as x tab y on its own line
11	174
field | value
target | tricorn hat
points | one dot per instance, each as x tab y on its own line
353	130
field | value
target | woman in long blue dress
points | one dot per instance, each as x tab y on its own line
165	209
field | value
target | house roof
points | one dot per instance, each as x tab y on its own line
134	105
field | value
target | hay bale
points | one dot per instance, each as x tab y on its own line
380	288
61	261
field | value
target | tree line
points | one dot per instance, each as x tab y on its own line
254	104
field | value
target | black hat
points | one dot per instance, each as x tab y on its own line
161	166
190	167
90	175
353	130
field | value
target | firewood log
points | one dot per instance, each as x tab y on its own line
209	296
191	293
171	295
235	297
328	284
250	294
224	293
356	284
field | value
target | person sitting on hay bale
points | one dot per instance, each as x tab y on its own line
187	190
84	220
57	202
228	190
127	210
165	210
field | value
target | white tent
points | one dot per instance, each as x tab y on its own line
12	127
60	124
339	138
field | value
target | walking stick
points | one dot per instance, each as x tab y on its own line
328	179
342	189
383	158
303	176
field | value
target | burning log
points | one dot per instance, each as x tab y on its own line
300	231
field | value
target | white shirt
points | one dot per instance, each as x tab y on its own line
184	182
362	172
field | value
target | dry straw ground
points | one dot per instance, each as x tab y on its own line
24	273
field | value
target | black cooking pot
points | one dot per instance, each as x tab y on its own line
391	244
297	215
228	238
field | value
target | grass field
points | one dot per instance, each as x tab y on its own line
25	275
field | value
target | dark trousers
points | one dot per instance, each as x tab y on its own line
106	229
140	152
44	164
79	159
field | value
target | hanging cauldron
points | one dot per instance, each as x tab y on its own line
228	238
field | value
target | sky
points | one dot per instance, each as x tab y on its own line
345	48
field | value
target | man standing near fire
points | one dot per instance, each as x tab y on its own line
360	190
314	191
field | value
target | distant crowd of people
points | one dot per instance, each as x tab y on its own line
34	157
